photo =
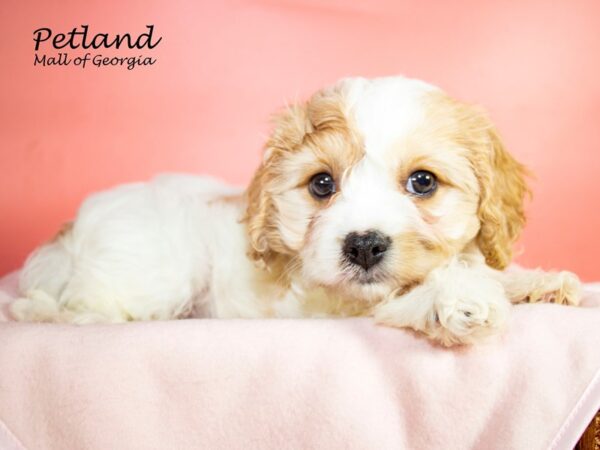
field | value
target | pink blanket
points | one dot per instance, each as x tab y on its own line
302	384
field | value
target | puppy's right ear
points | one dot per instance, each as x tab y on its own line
290	127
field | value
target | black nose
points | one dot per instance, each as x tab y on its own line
365	249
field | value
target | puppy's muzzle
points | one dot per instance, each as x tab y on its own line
365	249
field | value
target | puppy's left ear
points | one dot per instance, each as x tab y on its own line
290	127
501	203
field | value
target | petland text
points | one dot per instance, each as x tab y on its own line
80	39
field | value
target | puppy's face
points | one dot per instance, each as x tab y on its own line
372	184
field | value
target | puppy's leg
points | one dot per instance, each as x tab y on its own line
455	304
533	286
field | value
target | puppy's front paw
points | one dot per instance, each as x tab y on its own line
469	318
453	306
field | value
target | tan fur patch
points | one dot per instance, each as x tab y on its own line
307	139
500	177
64	230
331	302
228	199
414	255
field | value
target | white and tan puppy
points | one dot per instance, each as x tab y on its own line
379	197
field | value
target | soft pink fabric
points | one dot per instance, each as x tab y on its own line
298	384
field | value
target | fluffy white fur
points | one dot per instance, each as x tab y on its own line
183	245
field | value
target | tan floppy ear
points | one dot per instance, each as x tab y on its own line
501	204
290	127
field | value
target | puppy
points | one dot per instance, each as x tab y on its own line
382	198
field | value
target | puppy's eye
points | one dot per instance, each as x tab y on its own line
421	183
321	185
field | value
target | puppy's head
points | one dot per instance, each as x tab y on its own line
372	183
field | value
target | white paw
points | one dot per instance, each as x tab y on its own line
466	320
453	306
37	306
563	288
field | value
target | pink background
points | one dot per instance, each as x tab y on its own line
223	67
